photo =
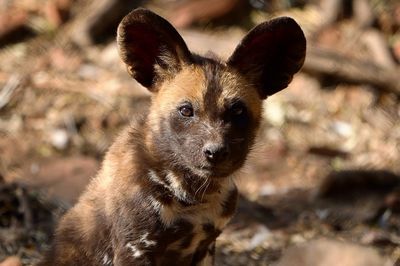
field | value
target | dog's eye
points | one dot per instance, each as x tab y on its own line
238	109
186	110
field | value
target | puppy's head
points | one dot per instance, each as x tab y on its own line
205	113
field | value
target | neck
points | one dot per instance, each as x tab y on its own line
186	188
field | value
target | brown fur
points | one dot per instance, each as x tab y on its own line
165	189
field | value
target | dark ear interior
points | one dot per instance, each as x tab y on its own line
150	47
270	54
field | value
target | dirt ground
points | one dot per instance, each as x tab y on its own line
326	164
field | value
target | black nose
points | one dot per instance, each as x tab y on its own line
215	153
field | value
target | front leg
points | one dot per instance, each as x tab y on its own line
204	256
133	243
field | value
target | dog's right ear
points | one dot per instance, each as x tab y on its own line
270	54
150	47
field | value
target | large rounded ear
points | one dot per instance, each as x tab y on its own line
150	47
270	54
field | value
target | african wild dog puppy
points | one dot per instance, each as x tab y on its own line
165	189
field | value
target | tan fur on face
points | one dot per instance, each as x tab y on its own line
190	85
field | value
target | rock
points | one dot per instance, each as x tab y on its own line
59	139
357	183
342	128
274	112
261	235
88	72
326	252
358	196
11	261
61	178
109	56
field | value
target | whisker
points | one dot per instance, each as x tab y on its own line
202	185
204	192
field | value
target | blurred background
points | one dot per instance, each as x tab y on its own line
322	186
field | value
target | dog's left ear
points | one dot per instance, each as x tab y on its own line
270	54
151	48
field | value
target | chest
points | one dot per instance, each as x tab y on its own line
193	230
172	233
190	240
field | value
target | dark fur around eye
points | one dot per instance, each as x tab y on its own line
237	109
237	114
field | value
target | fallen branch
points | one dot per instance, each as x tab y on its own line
349	70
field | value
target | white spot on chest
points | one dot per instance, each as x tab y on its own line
107	260
148	243
136	253
176	186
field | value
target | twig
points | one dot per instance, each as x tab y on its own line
12	84
25	208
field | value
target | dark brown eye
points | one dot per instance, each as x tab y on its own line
237	109
186	111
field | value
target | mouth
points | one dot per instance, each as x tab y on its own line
213	171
